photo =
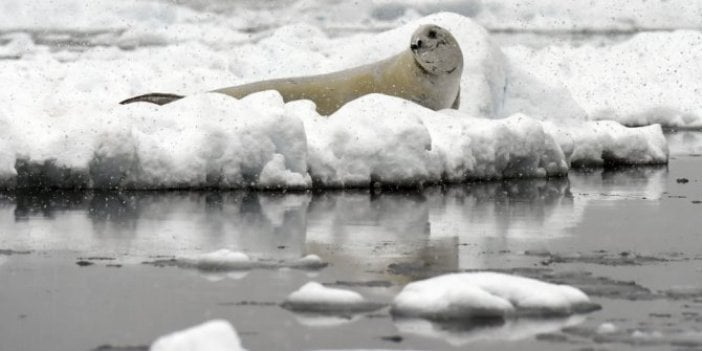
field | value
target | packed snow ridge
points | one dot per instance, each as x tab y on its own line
65	129
464	296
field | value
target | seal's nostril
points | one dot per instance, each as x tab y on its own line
414	47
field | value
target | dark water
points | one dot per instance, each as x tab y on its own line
630	238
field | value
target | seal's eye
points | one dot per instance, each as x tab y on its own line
432	34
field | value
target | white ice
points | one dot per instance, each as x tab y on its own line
214	335
314	293
487	294
228	260
223	258
65	129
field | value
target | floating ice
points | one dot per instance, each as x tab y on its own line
510	330
64	129
221	260
316	298
215	335
487	295
224	260
606	328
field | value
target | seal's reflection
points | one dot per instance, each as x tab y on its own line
404	236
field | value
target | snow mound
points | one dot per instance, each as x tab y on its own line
316	298
215	335
487	295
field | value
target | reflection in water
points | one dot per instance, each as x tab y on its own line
632	182
509	330
324	321
685	143
437	229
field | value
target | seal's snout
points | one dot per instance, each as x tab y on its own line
417	45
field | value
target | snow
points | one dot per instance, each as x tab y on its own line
520	115
606	328
310	260
487	295
315	294
214	335
594	15
228	260
158	20
221	259
314	299
511	330
652	78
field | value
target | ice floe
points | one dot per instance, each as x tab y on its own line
225	260
64	128
317	298
214	335
466	296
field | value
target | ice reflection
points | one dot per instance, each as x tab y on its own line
685	143
510	330
143	224
627	183
433	230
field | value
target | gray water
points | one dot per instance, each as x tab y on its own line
73	277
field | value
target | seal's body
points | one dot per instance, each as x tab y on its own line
428	73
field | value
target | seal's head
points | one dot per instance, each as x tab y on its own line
436	50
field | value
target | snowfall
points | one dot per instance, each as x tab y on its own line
525	111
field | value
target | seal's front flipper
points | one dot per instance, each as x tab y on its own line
154	98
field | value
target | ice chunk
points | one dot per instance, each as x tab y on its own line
606	328
316	298
487	295
223	259
215	335
608	142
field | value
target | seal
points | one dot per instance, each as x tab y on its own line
428	73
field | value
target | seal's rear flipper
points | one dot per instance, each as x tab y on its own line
154	98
